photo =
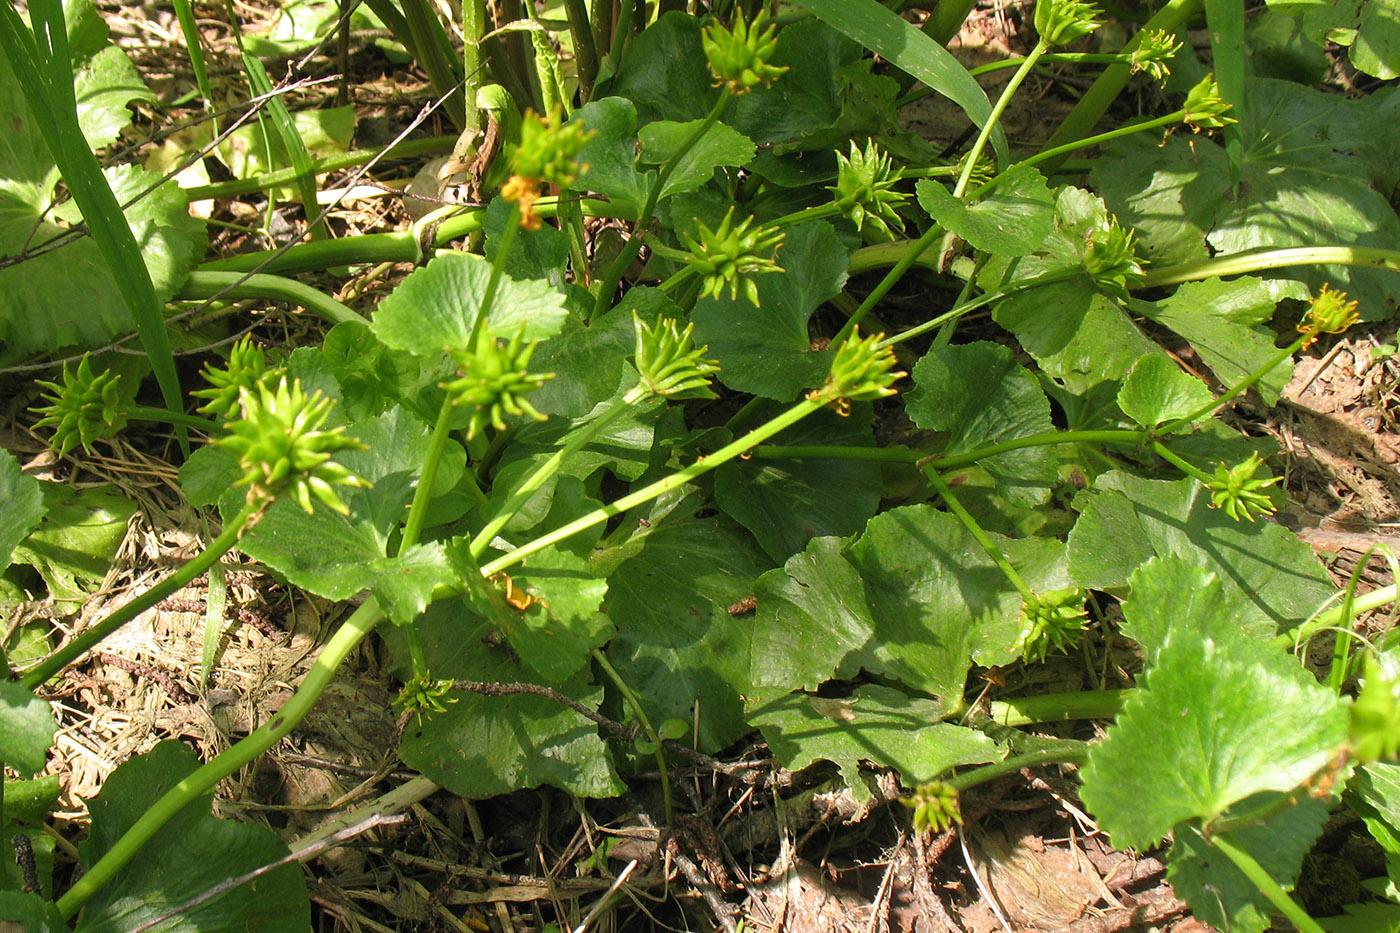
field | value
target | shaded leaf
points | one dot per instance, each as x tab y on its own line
939	601
176	864
24	505
664	71
981	396
883	726
767	350
786	503
27	728
611	155
669	604
1126	521
73	547
1219	894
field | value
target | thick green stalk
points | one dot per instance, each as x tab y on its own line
878	454
1269	257
1267	886
202	286
1333	617
580	438
433	48
993	551
1341	650
184	12
71	650
676	480
1058	707
493	284
205	778
585	52
142	413
634	243
410	148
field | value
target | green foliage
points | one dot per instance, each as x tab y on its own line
543	466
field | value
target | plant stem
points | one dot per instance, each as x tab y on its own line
408	149
880	454
781	423
1107	86
634	243
953	461
1197	474
1333	617
993	551
578	439
423	492
203	286
70	651
493	284
636	706
975	153
1058	707
1066	751
1267	886
1168	120
1257	260
819	212
204	779
142	413
911	254
1239	389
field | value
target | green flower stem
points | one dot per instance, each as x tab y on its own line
1058	707
204	779
1265	883
498	269
1333	618
142	413
202	286
1078	58
418	509
1257	260
1105	89
819	212
953	461
70	651
1065	751
880	454
995	553
975	153
1341	649
980	302
1182	465
406	246
635	704
579	439
676	480
1238	390
1170	119
614	273
910	253
408	149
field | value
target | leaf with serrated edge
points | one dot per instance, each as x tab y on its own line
981	396
611	154
1125	521
938	600
1221	716
877	724
1218	892
1012	220
1156	390
435	308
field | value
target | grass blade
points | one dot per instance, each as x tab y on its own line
900	42
44	55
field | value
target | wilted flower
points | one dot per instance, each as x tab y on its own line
1329	313
546	156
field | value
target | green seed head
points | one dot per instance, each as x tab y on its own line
862	371
1236	492
1205	108
739	57
1051	621
865	191
731	256
493	381
1111	259
668	361
246	369
935	807
1060	22
1153	53
85	408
